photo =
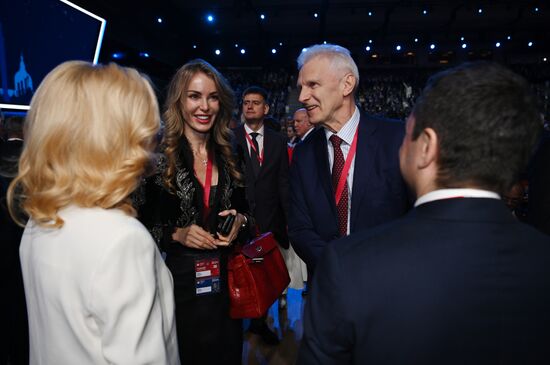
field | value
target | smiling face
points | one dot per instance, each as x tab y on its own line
322	90
200	104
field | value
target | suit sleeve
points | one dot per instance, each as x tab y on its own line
305	240
126	303
328	332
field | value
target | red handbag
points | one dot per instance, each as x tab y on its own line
257	275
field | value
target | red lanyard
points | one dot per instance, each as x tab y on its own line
345	171
207	184
260	155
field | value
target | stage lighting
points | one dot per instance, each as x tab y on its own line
497	44
416	40
367	48
432	46
315	15
536	10
530	44
398	48
464	45
159	20
217	52
262	16
117	55
480	11
281	44
273	50
194	46
462	38
509	37
144	54
243	51
545	59
236	45
370	41
370	13
424	11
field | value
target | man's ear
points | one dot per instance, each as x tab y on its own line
349	83
266	108
428	144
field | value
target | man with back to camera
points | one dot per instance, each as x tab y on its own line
346	177
458	280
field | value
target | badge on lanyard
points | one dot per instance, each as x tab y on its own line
207	275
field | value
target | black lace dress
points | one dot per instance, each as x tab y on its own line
206	333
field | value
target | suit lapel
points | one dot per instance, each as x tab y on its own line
323	168
364	162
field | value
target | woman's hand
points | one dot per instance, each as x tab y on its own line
239	220
195	237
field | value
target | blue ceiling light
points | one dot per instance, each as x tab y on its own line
509	37
536	9
544	59
281	44
432	46
370	41
370	13
462	38
117	55
273	50
144	54
464	46
217	52
480	11
530	44
416	40
315	15
398	48
236	45
159	20
367	48
210	18
425	12
497	44
194	46
262	16
243	51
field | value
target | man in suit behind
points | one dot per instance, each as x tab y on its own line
458	280
372	190
266	174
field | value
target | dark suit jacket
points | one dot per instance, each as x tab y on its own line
456	281
538	206
379	193
267	193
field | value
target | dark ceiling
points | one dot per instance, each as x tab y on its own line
132	28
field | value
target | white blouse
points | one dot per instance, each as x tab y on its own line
97	291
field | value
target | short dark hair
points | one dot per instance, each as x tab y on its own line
255	90
487	120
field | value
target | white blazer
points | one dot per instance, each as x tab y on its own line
97	291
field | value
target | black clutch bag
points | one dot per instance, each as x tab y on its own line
225	224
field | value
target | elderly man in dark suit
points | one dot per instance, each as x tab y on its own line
266	175
458	280
345	177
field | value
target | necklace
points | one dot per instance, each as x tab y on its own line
204	161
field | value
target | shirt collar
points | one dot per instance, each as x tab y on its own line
455	193
248	130
347	132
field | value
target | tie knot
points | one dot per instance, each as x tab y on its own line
254	135
336	141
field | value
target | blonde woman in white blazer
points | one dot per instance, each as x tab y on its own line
97	289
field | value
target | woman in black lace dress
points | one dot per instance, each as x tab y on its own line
198	183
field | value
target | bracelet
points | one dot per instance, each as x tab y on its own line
245	223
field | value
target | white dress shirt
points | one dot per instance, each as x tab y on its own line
259	138
97	291
346	134
455	193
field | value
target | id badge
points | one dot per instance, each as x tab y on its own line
207	275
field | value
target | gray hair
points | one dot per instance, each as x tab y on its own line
339	56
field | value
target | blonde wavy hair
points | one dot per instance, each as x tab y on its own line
90	134
220	135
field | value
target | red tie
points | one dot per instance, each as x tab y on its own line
337	167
